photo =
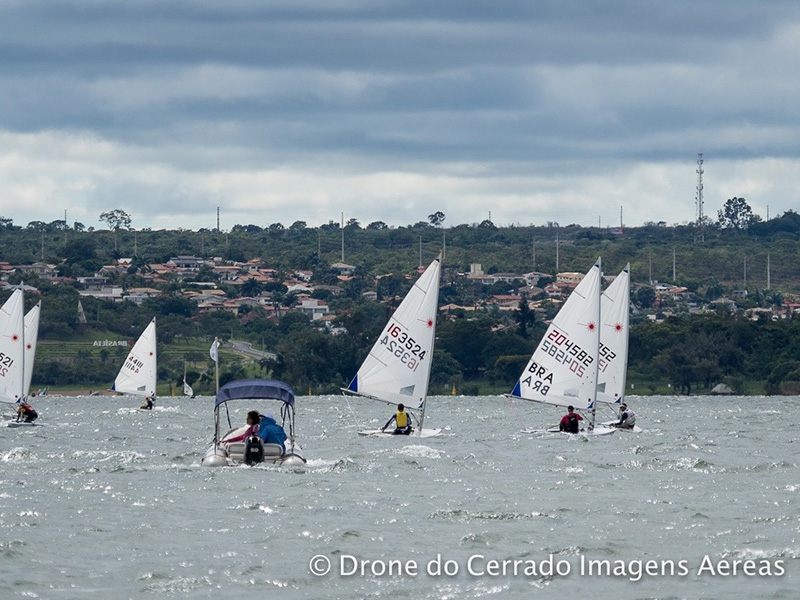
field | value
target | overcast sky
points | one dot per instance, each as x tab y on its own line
524	112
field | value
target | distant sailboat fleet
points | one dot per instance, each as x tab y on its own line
580	361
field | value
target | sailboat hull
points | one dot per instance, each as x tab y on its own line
635	429
23	424
425	433
597	431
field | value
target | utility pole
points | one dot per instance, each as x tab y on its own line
745	271
674	271
768	271
557	267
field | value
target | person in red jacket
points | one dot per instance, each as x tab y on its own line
569	422
26	413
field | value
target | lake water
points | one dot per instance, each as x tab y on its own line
106	501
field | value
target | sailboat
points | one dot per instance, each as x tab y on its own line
187	389
397	368
137	376
563	370
15	329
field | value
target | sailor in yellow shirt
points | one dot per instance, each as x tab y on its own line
402	421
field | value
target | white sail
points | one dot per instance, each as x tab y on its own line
12	348
613	362
81	314
563	369
31	339
398	367
138	373
187	390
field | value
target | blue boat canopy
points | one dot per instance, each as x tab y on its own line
255	389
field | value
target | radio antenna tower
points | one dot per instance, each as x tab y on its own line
699	197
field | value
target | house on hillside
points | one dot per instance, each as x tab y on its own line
185	263
43	270
505	301
344	269
313	307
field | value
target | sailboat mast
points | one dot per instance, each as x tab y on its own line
596	364
216	367
627	300
24	348
422	416
433	341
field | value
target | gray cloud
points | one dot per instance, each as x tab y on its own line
284	111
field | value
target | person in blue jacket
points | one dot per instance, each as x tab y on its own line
270	432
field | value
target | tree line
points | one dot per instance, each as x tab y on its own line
482	350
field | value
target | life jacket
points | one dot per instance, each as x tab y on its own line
630	421
28	412
401	418
572	424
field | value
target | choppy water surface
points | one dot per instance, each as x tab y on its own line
106	501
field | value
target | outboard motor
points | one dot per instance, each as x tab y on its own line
253	450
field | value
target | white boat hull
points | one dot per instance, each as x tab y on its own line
597	431
231	455
635	429
424	433
23	424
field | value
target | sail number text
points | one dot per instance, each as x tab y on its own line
403	346
5	364
567	352
134	364
605	358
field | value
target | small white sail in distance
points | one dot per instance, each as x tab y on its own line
563	369
138	373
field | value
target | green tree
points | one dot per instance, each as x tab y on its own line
251	288
436	219
524	316
736	214
116	219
